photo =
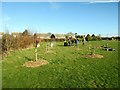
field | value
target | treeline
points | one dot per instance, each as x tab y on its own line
88	37
25	39
93	38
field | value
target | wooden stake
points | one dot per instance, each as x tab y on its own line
47	47
36	53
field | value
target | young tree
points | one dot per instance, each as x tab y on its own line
6	42
88	37
70	34
99	37
49	33
66	36
76	35
93	37
92	50
26	32
35	35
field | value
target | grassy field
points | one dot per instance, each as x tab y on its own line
68	67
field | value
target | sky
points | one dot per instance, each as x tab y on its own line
61	17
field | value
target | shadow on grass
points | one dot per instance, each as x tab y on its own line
29	59
61	45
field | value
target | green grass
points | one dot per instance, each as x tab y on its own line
67	68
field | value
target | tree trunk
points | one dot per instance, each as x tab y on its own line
36	53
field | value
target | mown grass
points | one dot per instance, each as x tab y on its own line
67	68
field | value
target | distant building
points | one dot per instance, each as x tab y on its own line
1	34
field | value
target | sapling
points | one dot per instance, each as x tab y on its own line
92	50
47	47
36	53
36	46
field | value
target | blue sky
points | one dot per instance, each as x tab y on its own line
61	17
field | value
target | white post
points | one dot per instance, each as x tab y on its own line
47	47
51	44
36	53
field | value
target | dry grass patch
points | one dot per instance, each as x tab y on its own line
35	63
94	56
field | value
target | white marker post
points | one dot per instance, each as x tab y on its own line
37	45
36	53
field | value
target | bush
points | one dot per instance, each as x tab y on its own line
10	42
